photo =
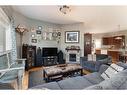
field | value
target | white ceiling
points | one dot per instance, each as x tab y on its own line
96	18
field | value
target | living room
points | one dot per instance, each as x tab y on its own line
81	46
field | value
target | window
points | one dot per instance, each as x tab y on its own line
5	32
98	43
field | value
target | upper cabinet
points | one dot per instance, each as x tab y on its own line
118	41
105	41
108	41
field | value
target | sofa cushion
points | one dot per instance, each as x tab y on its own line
51	85
112	69
103	68
94	78
90	57
115	82
74	83
123	86
104	61
101	56
92	65
124	65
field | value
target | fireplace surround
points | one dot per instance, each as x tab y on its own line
73	54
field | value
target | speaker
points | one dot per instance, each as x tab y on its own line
60	58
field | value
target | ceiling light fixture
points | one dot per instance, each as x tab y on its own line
118	37
65	9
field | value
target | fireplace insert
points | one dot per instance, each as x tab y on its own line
72	57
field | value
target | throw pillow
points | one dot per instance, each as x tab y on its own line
91	57
124	65
94	57
112	69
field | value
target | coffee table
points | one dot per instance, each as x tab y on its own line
58	72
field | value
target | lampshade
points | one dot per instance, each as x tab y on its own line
21	29
65	9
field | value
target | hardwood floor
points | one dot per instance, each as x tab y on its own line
26	76
86	72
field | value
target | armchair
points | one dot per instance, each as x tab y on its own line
11	71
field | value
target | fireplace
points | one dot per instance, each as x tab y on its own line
72	57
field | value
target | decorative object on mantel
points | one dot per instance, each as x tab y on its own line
65	9
72	37
72	48
21	29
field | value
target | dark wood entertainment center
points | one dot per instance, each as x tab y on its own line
49	55
35	59
50	60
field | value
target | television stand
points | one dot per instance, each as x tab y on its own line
49	60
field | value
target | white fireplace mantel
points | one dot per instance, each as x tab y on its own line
73	51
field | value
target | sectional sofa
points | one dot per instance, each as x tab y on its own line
90	81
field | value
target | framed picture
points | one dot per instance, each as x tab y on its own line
71	36
38	31
34	40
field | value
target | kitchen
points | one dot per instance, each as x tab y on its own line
113	45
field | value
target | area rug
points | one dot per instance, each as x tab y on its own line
35	78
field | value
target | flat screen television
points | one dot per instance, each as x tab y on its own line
52	51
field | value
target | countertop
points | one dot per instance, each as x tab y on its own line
120	50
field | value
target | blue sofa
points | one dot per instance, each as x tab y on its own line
92	81
95	65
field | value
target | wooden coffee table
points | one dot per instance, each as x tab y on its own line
58	72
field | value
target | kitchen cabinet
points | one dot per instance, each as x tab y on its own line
98	51
115	55
105	41
108	41
117	41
